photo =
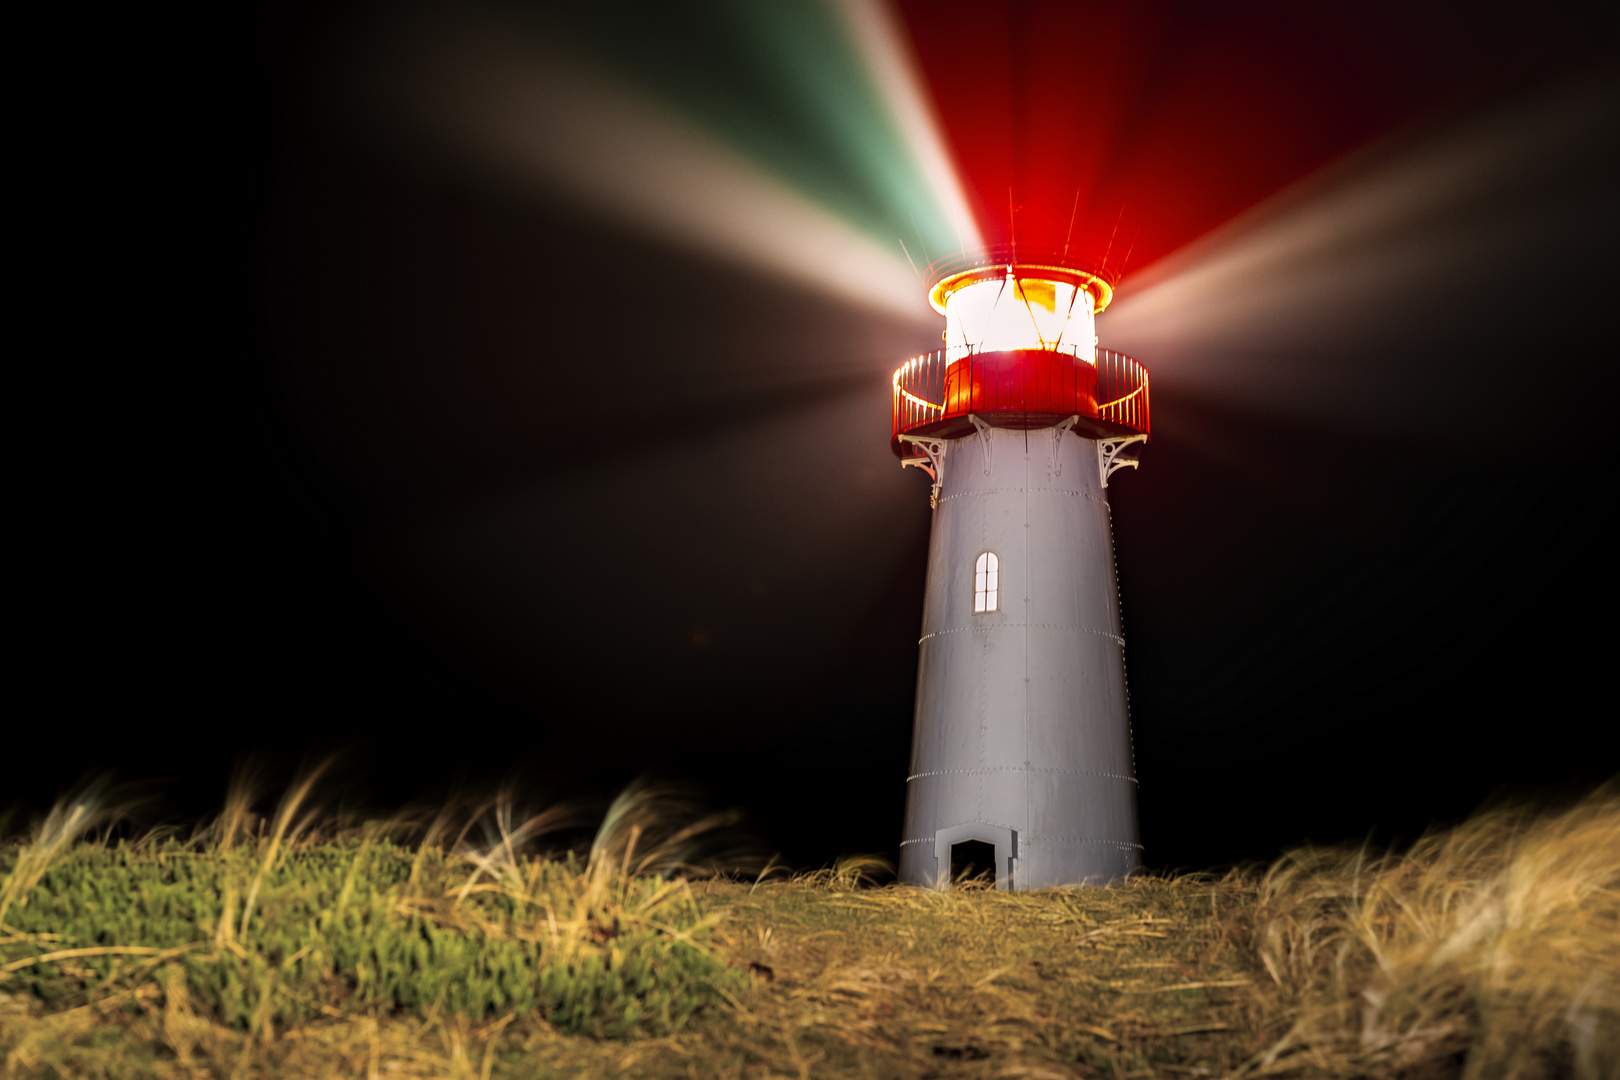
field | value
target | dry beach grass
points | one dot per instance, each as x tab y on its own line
289	948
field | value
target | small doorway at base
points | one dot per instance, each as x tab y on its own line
972	859
995	853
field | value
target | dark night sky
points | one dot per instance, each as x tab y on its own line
352	453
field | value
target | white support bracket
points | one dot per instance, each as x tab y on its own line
1055	465
934	465
1116	454
984	439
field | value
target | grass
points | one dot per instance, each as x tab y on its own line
284	948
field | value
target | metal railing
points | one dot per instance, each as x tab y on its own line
1121	392
919	391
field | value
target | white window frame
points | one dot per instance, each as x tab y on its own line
986	583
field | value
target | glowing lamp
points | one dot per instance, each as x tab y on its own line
1024	307
1021	755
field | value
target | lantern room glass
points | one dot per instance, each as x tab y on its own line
1018	312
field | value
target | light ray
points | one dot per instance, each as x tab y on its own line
893	69
1406	289
531	115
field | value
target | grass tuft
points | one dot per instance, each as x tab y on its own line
1497	941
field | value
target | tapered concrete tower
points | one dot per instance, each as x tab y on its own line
1022	741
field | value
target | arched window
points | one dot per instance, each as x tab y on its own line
986	573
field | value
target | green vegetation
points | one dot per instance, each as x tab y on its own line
259	936
272	948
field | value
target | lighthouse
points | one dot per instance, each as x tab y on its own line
1021	758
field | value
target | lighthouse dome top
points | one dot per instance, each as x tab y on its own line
950	275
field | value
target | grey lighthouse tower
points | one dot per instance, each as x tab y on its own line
1022	739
